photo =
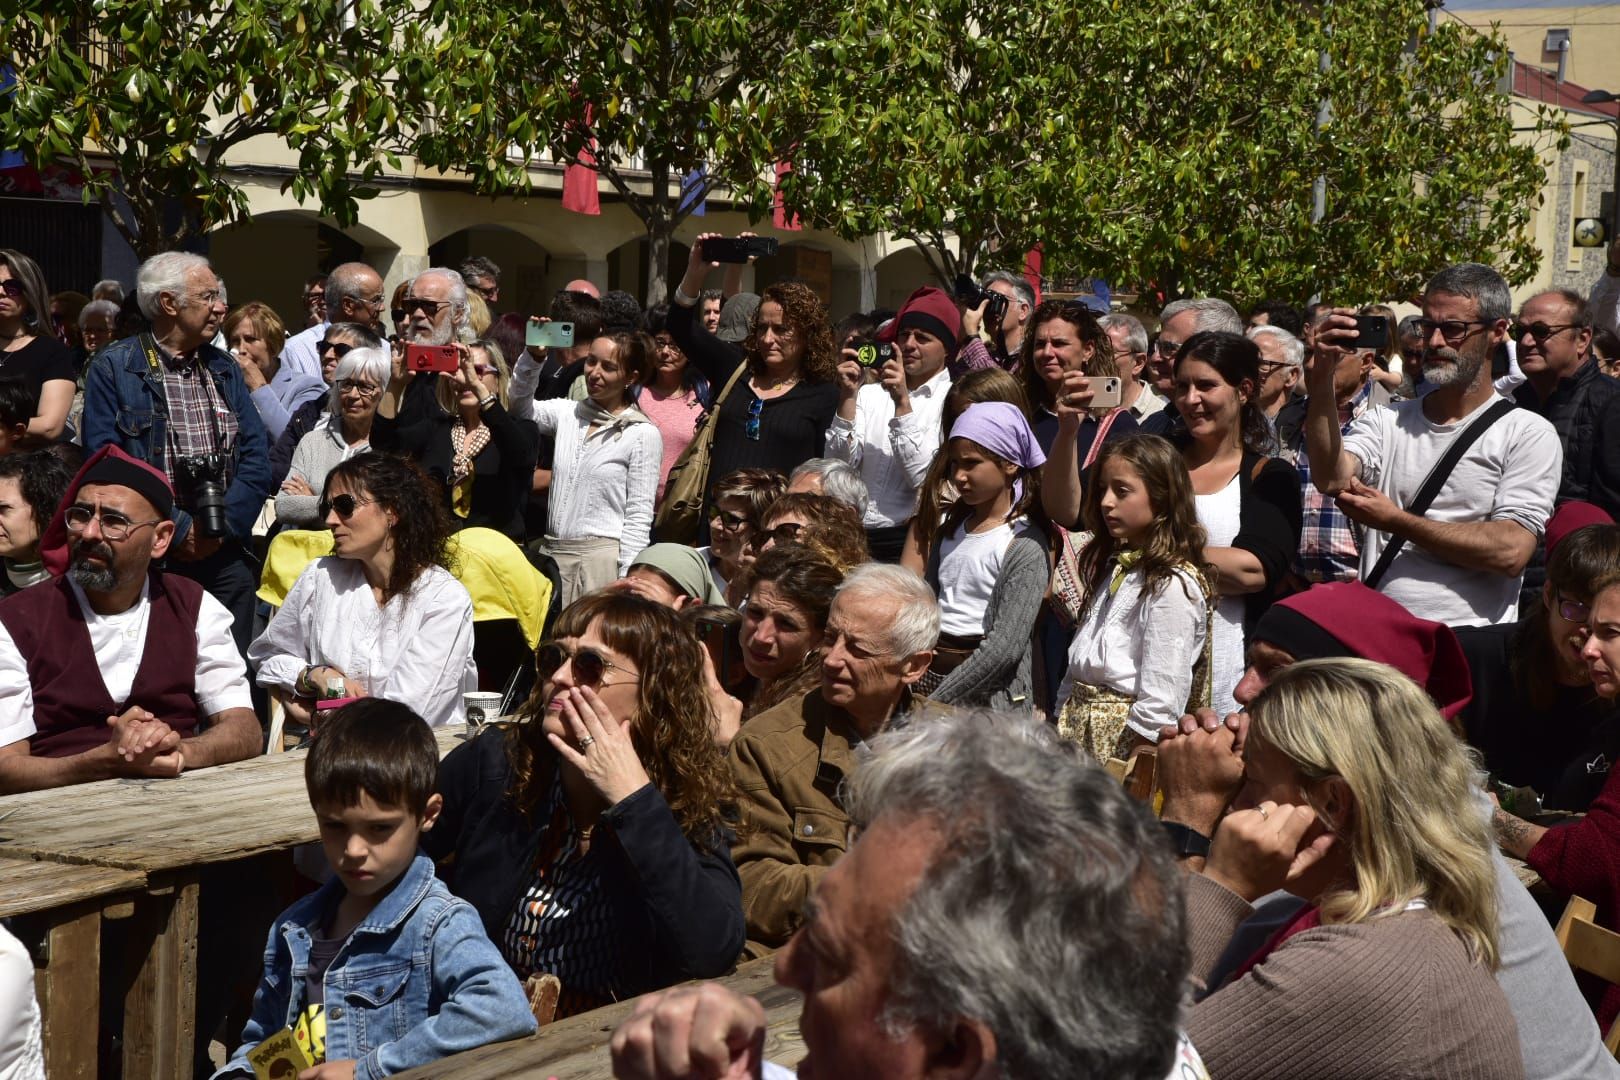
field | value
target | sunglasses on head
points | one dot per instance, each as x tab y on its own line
345	505
337	348
590	666
751	429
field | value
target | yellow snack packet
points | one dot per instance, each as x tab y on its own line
280	1057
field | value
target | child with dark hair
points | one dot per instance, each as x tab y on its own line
16	409
381	969
31	487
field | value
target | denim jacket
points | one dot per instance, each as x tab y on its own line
416	981
124	404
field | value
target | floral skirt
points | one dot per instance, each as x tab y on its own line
1094	717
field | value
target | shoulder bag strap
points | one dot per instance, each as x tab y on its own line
1435	481
1102	433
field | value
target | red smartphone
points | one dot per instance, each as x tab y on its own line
443	358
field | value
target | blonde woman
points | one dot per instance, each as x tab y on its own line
465	438
1358	798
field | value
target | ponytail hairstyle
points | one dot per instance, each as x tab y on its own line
1026	502
983	384
1173	541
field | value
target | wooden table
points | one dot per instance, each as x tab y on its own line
163	831
577	1048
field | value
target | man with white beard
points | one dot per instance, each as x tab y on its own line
1460	560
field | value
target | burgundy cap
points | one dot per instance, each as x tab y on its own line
930	310
1571	516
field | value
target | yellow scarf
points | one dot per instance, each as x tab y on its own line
1124	563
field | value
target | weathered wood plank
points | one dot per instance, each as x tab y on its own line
211	815
69	991
577	1048
28	885
160	1008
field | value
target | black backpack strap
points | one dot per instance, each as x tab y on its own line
1435	481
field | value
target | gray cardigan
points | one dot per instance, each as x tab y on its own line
318	453
999	674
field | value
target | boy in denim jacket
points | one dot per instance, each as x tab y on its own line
381	969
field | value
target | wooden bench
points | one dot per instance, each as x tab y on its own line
577	1048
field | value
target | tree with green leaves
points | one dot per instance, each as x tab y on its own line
148	98
1170	144
652	92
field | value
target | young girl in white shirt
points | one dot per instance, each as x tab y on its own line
1139	658
604	475
987	559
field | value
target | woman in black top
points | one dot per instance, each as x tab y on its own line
458	429
590	835
29	349
778	413
1535	714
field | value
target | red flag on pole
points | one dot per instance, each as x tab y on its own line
579	180
779	216
1032	270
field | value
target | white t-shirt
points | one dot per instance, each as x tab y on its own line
1220	513
1511	473
969	566
119	642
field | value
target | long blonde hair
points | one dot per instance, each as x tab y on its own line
447	396
1418	831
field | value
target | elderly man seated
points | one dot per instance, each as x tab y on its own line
1007	911
112	668
790	761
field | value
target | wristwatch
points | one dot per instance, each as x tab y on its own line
1185	841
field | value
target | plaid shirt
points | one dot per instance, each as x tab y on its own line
1329	543
200	422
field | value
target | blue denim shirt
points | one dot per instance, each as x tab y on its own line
124	404
416	981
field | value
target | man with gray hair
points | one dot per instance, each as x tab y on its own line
1008	335
1459	560
1129	338
1007	911
790	761
832	478
1282	362
482	277
353	293
1178	321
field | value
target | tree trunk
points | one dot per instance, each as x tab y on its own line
660	224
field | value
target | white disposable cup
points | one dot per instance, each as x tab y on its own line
481	708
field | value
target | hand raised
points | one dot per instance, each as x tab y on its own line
601	748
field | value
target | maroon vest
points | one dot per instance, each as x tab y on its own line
71	700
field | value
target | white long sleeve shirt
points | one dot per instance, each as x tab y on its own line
1142	644
603	483
417	649
892	452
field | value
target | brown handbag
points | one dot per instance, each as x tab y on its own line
681	513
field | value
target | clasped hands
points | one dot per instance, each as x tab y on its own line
140	744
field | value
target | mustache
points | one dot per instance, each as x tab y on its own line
81	548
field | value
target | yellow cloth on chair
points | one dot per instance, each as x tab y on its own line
290	552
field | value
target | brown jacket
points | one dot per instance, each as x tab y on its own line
789	762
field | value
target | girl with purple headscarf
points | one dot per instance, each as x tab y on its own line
987	558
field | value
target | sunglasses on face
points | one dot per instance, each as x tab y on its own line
751	429
729	522
1573	610
12	288
344	505
590	666
784	533
1538	331
430	308
398	313
336	348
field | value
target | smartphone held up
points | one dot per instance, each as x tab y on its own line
432	358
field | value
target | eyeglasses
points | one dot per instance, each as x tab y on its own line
1453	330
1268	366
337	348
374	301
430	308
590	666
344	505
350	386
729	522
210	297
114	526
1540	331
751	429
1572	610
12	288
1167	348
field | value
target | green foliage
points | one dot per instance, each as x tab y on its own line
1169	143
162	90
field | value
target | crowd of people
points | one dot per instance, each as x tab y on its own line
856	627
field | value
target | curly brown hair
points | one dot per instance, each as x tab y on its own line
673	725
421	528
832	532
805	315
1084	321
808	580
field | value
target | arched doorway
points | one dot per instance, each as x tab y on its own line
525	265
271	257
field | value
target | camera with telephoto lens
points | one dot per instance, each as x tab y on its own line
201	479
873	353
970	296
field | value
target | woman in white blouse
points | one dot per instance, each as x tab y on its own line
381	614
604	474
344	431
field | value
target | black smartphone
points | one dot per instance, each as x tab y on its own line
737	249
1372	332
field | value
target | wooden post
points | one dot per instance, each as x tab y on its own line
161	1004
69	992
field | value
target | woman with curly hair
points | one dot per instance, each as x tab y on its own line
778	392
590	834
380	616
790	592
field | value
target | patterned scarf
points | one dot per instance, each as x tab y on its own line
465	446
